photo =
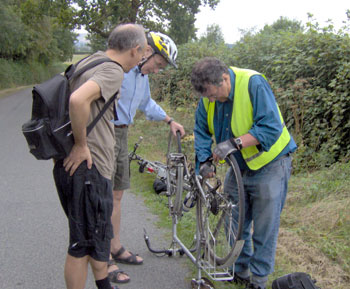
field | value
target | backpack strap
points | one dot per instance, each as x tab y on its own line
103	110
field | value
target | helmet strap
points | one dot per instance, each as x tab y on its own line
142	63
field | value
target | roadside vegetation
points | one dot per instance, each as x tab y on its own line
37	35
308	68
15	73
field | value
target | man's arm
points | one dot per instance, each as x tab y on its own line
202	137
153	111
79	111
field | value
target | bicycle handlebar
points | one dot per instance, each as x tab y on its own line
178	138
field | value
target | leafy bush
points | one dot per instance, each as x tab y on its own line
36	31
16	73
308	70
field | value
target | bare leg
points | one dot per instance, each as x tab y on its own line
116	220
75	272
99	269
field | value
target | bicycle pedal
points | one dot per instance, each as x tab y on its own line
214	206
204	283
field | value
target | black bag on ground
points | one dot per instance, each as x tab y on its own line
48	133
159	186
297	280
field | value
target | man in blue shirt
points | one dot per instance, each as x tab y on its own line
238	107
135	94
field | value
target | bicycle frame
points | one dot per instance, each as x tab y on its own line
190	182
151	167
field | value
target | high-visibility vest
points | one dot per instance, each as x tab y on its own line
242	121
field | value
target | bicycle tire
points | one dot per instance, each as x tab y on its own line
175	174
222	226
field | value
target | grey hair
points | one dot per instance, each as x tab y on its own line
208	70
127	36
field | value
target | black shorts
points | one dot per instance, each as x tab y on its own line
87	200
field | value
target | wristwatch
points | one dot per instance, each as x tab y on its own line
238	143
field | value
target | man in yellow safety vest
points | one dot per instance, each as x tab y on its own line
238	108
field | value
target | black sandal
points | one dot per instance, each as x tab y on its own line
131	260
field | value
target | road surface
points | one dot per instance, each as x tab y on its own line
33	227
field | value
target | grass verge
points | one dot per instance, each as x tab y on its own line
9	91
18	73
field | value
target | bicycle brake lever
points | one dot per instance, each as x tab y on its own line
137	144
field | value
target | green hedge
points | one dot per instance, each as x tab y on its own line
309	72
17	73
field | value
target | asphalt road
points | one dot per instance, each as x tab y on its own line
33	227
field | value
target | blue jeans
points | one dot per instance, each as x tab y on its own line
265	194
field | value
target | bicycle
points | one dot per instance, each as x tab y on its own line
219	215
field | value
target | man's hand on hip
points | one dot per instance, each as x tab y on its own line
77	155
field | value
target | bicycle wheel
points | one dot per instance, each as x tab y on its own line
220	216
176	164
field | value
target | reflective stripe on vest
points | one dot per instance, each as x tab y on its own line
242	121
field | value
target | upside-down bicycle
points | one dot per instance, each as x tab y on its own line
219	215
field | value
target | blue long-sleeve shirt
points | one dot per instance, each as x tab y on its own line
135	94
266	127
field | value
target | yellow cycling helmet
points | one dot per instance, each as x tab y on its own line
163	45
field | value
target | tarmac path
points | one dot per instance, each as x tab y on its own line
33	227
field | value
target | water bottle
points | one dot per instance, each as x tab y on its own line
189	202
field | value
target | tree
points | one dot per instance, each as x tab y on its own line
37	30
213	35
174	17
283	24
51	25
13	36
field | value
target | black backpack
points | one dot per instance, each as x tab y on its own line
297	280
48	133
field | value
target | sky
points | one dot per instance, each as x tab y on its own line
232	15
